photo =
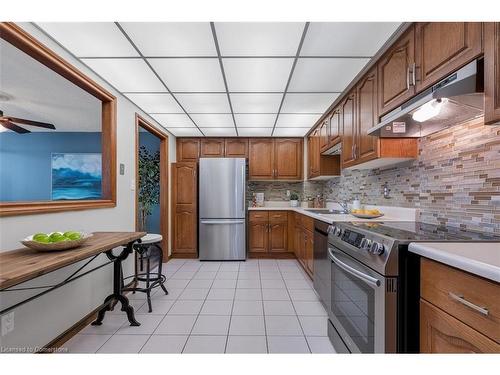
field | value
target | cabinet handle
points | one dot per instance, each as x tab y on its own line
408	78
413	74
460	298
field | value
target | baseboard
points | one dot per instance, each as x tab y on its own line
283	255
184	255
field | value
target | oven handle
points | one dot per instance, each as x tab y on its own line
352	271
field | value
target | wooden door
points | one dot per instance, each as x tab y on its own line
188	149
184	205
349	130
491	72
236	147
367	146
212	148
278	231
442	333
309	250
443	47
334	128
261	159
395	73
323	135
288	159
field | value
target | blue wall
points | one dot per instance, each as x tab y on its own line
25	161
152	144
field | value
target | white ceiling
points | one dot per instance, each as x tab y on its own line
228	78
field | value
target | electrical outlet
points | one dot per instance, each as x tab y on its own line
7	323
122	169
288	193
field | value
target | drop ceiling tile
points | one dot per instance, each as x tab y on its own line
255	120
190	74
325	74
90	39
257	74
346	38
297	120
290	132
259	38
213	120
126	74
204	103
219	132
255	132
156	103
173	120
185	132
307	103
256	103
172	38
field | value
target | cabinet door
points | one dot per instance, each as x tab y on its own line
299	244
188	149
288	159
313	154
258	237
394	73
323	135
309	251
443	47
442	333
278	237
367	109
491	72
212	148
334	128
261	159
184	204
349	130
236	148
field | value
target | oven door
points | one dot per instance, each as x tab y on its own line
359	306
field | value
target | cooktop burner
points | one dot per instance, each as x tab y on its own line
415	231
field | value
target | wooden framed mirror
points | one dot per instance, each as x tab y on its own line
57	132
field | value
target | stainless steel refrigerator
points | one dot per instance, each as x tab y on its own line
222	227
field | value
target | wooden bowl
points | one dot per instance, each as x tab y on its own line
367	216
55	246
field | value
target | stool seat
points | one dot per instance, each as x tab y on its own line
151	238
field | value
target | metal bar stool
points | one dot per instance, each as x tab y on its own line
150	266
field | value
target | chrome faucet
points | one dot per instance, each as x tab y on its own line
345	207
386	191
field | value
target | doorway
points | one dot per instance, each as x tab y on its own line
151	193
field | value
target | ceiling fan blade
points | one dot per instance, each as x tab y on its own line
11	126
30	122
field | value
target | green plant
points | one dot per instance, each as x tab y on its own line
149	183
294	197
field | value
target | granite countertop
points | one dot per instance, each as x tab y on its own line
478	258
390	213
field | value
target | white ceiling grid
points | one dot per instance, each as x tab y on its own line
229	78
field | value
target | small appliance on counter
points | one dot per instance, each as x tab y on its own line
372	298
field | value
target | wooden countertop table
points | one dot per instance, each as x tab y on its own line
18	266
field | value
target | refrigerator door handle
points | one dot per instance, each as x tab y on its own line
222	222
243	188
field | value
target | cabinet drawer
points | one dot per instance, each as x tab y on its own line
471	299
442	333
307	223
258	216
278	216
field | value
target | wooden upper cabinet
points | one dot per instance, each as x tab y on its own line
288	158
395	73
324	135
261	159
334	128
367	109
212	148
184	207
349	129
313	154
188	149
491	72
236	147
443	47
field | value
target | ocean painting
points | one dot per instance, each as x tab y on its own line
76	176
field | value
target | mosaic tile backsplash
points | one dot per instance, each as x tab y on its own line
455	181
276	191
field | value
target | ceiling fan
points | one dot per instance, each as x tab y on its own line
8	122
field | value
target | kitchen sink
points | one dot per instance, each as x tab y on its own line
324	211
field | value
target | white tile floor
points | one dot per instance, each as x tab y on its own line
256	306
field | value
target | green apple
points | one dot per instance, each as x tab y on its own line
73	236
57	237
40	236
42	239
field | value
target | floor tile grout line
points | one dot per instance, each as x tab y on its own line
263	311
232	308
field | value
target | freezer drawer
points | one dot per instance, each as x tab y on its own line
222	239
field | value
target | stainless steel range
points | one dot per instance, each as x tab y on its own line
373	301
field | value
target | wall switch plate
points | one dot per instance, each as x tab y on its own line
122	169
7	323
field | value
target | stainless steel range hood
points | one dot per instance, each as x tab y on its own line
454	100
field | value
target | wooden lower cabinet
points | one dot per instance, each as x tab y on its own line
304	242
442	333
267	232
258	237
